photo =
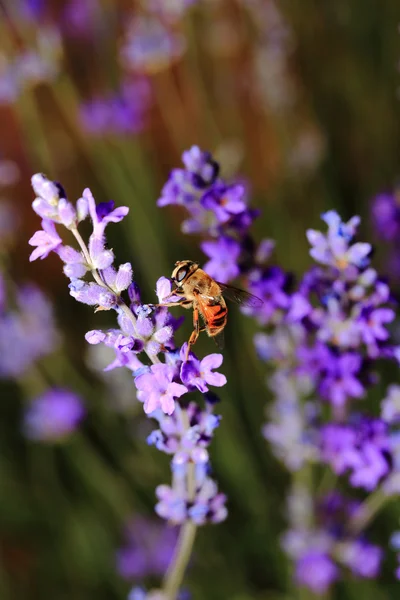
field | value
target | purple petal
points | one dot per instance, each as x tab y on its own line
212	361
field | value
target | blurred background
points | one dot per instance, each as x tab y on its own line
301	100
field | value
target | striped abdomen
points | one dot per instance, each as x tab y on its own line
216	317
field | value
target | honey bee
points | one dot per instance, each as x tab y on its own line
207	298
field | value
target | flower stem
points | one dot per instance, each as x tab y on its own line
174	575
154	359
367	511
177	567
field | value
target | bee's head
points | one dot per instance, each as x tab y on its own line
183	268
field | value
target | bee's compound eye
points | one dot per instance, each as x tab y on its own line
181	274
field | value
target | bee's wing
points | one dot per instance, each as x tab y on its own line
240	296
220	340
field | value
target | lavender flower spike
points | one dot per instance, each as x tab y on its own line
143	334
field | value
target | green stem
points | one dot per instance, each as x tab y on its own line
176	570
367	511
179	562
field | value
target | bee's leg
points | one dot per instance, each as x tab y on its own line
171	303
195	332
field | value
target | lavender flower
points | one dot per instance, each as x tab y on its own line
158	390
316	571
385	213
53	416
199	374
323	340
31	66
147	550
185	430
119	113
150	46
321	543
27	332
224	255
363	449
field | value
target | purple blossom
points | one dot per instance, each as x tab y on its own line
149	46
122	112
208	505
27	332
362	558
322	540
270	286
174	437
390	405
186	186
225	201
184	431
53	416
372	324
224	254
158	390
317	571
196	373
147	549
334	249
341	379
363	449
103	213
202	166
92	294
46	241
385	212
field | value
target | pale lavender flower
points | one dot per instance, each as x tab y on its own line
385	212
174	505
334	248
147	550
149	46
158	390
224	254
362	449
174	437
317	571
390	405
53	416
46	241
27	332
